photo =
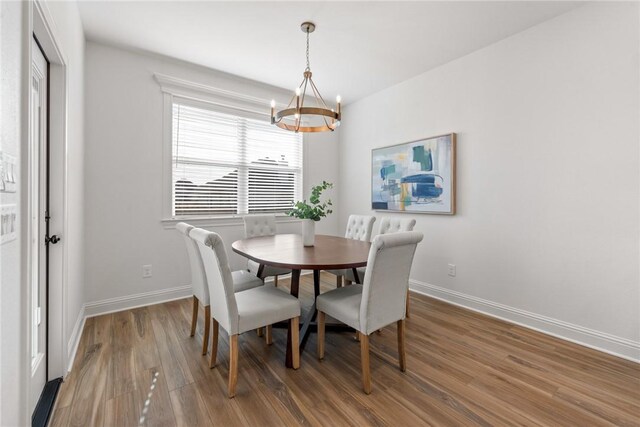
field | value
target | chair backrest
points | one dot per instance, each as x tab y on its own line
198	279
359	227
259	225
387	279
396	224
216	266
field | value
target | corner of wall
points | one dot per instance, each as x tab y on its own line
74	340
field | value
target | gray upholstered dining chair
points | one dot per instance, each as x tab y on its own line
262	225
379	301
395	224
388	225
358	227
242	311
242	280
392	224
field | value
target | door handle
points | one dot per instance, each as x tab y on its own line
53	239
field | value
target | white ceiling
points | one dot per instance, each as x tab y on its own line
357	49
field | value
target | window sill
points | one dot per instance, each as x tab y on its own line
218	221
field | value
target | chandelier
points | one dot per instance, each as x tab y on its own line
297	116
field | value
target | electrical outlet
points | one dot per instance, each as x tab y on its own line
452	270
146	271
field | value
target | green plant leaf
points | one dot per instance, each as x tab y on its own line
316	210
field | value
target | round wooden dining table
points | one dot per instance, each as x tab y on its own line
287	251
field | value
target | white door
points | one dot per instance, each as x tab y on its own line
37	204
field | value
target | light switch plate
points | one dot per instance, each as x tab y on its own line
146	271
452	270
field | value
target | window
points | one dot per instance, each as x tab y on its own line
226	164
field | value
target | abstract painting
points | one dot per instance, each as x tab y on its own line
416	176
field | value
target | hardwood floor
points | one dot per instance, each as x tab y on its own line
140	367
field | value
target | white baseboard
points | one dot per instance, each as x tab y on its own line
127	302
112	305
617	346
74	341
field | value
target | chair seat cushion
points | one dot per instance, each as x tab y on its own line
268	271
243	280
263	306
342	304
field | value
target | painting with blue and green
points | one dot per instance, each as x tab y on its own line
416	176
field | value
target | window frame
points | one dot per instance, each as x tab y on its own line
218	100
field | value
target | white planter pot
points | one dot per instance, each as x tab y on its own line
308	232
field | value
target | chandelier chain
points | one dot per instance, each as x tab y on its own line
308	66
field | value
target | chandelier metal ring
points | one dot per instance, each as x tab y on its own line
307	111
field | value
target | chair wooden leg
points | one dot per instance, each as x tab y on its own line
295	342
275	281
320	335
407	306
338	281
233	364
260	332
401	354
214	343
364	360
268	336
207	323
194	316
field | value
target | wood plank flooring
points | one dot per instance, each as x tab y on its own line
140	367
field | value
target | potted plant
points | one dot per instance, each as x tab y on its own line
311	212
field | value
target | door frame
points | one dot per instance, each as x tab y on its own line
42	26
37	196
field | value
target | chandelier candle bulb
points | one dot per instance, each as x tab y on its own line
273	111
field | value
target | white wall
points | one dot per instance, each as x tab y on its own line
321	154
124	168
547	228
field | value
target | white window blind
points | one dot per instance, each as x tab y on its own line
227	164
